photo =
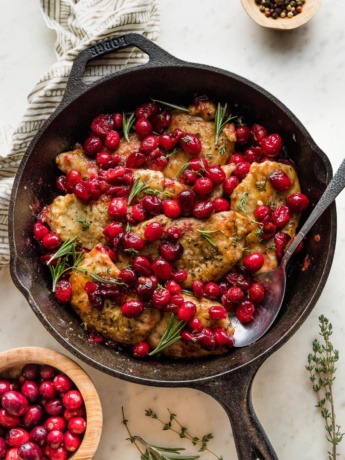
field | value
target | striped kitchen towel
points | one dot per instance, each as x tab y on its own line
78	24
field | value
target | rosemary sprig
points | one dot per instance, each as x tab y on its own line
182	170
173	106
207	234
220	120
137	188
153	452
100	279
85	225
183	431
67	248
127	124
321	367
170	336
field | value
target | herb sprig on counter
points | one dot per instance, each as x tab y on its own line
321	367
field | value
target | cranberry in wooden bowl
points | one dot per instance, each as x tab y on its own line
49	407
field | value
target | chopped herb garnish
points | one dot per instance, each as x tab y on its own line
100	279
170	336
173	106
271	205
222	149
182	170
220	120
259	231
85	225
271	246
261	185
127	124
207	235
235	239
243	202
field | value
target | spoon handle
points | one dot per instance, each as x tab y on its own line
332	191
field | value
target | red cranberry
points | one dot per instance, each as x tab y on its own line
146	110
258	133
198	288
141	350
133	241
207	339
280	181
12	454
14	403
47	372
17	436
135	160
117	208
242	134
217	312
173	287
112	140
132	308
63	291
203	186
7	420
253	154
33	416
195	325
77	425
51	241
236	158
160	121
141	266
281	239
30	390
198	164
221	204
171	208
71	441
82	193
160	298
3	447
139	213
103	160
235	294
186	311
149	144
179	276
256	293
187	335
242	169
297	202
191	144
58	454
145	287
261	213
271	145
216	174
47	389
118	120
245	311
186	198
54	407
30	371
55	439
69	414
173	233
230	184
269	230
38	435
167	141
4	387
113	230
162	269
152	204
203	209
143	127
211	290
40	231
29	451
170	250
240	280
254	261
153	232
102	124
92	145
72	399
158	163
72	178
281	216
223	338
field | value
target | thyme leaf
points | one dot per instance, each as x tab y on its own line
222	149
173	106
85	225
220	120
170	335
243	202
182	170
127	124
207	234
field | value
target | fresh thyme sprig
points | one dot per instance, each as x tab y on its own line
100	279
153	452
183	431
85	225
66	258
207	234
321	367
220	120
127	124
182	170
243	202
137	188
170	336
173	106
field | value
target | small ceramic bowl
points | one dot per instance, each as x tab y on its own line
11	363
310	8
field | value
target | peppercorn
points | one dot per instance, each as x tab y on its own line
280	8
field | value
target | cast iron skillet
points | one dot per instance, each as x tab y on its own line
227	378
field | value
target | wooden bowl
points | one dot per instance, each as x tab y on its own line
310	8
11	363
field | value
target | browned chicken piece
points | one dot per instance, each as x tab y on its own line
126	148
109	322
204	260
190	349
156	181
205	109
256	190
214	154
77	159
69	218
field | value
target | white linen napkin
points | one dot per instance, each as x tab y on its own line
78	24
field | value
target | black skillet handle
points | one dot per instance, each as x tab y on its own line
233	392
157	56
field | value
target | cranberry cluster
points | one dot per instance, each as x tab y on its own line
156	282
42	415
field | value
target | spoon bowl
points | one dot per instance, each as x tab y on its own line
310	8
274	282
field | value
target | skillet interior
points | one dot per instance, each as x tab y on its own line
35	186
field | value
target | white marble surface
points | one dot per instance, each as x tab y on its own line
306	70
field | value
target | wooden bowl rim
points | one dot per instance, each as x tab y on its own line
19	356
310	8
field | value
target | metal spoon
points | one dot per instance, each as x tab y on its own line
274	282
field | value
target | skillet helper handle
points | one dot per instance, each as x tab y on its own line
75	85
233	392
